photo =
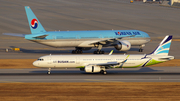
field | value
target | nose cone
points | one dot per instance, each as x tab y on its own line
36	63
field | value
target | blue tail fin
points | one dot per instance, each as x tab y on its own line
34	23
163	47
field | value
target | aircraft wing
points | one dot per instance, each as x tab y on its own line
111	63
110	40
15	34
108	64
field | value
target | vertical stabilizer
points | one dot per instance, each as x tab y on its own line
163	47
34	23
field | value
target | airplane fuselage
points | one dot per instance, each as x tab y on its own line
84	38
80	61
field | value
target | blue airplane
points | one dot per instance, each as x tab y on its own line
122	40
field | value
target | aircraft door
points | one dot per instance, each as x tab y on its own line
49	60
77	60
54	37
112	59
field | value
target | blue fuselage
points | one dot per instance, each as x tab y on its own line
99	34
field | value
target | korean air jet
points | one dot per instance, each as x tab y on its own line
99	63
122	40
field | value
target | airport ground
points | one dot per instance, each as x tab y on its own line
90	91
156	20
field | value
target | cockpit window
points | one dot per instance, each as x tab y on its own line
41	59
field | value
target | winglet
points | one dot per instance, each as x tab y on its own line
111	52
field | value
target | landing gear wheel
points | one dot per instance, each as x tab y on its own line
49	71
104	72
98	52
77	52
140	50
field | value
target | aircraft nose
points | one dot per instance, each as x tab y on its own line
36	63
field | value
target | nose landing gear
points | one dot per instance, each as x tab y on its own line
141	46
49	71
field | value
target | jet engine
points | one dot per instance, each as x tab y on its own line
123	45
92	69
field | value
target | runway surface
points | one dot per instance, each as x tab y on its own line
37	50
146	74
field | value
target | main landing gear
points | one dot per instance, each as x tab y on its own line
77	52
141	46
103	72
98	52
140	50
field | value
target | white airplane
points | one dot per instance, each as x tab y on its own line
99	63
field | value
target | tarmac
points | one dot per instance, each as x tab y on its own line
146	74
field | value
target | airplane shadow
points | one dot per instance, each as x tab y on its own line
109	72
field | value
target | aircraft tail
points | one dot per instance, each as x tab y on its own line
163	47
34	23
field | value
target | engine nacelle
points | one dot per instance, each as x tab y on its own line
123	45
92	69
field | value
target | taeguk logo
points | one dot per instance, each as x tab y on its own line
34	23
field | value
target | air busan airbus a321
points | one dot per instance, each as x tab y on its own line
122	40
99	63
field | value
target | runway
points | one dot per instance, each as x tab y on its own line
146	74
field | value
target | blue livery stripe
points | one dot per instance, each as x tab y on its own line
164	46
164	51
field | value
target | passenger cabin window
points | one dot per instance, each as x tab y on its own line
40	59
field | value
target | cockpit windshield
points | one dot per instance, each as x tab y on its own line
40	59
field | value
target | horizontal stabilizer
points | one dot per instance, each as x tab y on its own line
41	37
15	34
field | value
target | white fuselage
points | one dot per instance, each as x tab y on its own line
78	61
